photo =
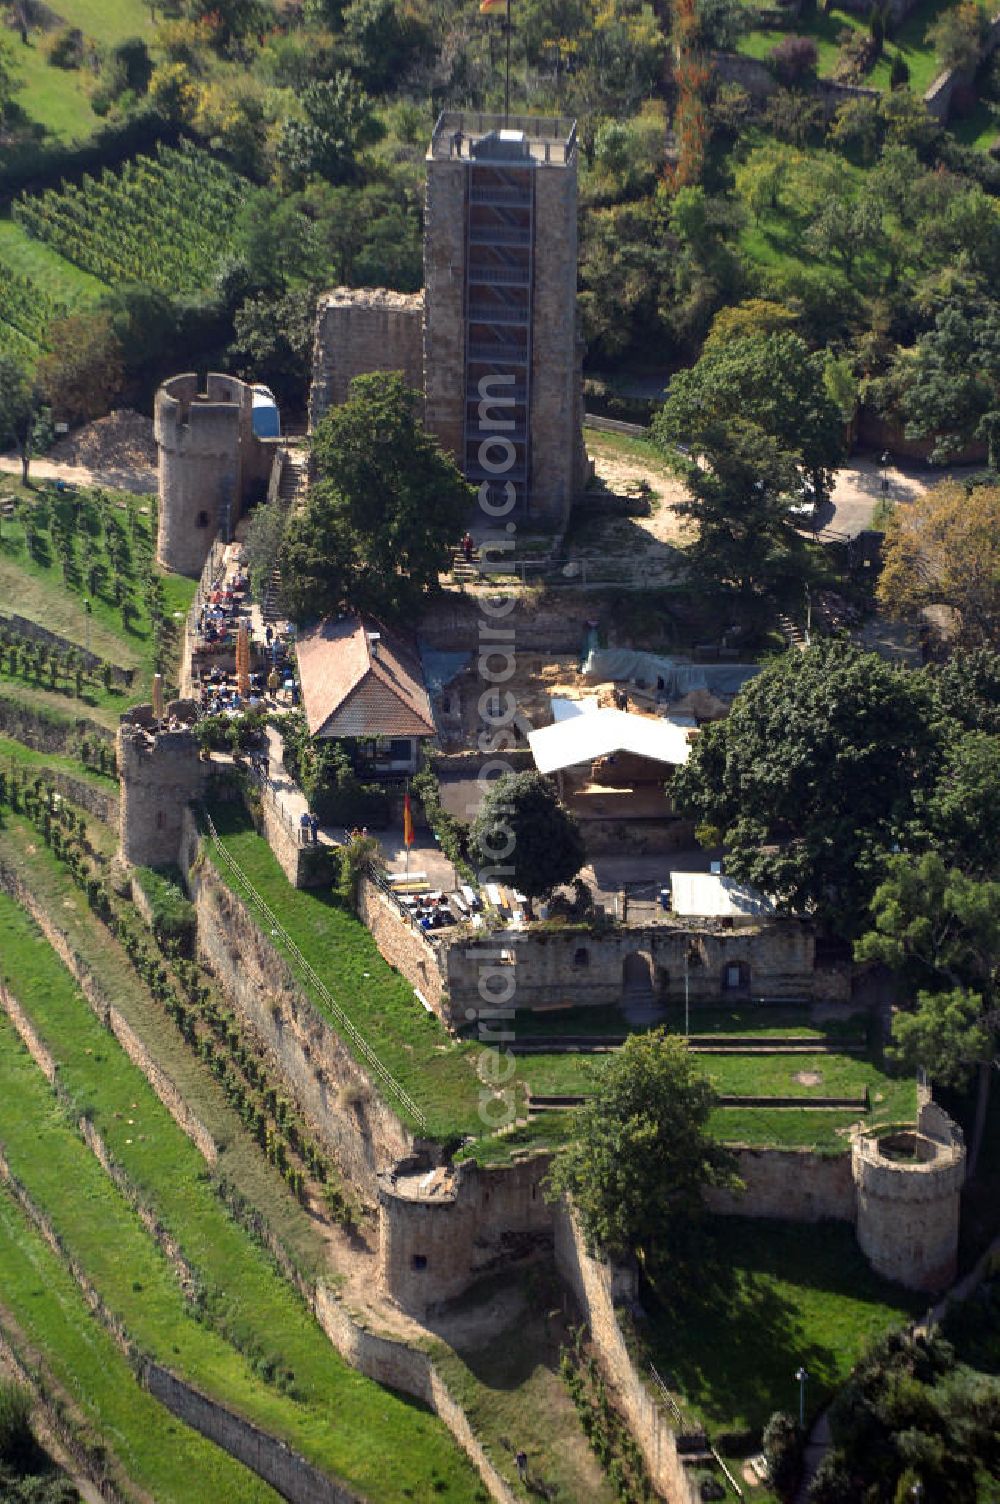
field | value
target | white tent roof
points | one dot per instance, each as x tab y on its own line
598	733
707	895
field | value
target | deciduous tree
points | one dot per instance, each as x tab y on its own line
943	548
385	507
770	381
641	1156
81	372
811	778
940	932
522	826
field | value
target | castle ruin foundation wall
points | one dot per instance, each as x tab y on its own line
361	330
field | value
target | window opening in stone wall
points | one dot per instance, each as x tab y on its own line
201	520
581	956
161	819
735	976
419	1261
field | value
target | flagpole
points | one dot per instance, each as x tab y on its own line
506	92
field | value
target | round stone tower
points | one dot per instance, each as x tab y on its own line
203	439
161	773
909	1183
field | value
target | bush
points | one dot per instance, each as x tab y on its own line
65	47
782	1446
794	59
173	916
899	71
832	1482
17	1442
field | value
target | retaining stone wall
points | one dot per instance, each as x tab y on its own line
46	733
595	1287
403	946
792	1185
273	1460
330	1088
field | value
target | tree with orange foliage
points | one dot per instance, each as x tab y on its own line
943	549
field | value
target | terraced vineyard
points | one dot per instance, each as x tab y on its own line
230	1325
164	220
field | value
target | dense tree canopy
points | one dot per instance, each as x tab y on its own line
642	1157
943	548
771	381
523	827
812	776
384	508
18	402
940	932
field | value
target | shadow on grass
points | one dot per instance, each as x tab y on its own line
773	1297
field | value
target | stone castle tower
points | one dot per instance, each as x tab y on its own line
492	341
161	774
210	464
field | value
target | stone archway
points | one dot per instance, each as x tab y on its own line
637	974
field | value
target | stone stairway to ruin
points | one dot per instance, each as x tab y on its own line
292	488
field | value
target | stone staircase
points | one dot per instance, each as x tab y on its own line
292	488
465	571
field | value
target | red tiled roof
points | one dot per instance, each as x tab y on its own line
356	688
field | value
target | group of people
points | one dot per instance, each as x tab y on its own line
308	829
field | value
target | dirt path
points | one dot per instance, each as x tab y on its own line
139	479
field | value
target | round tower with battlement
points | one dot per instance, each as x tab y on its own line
909	1183
161	774
206	455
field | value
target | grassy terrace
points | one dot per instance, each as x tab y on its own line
782	1295
160	1455
439	1073
256	1347
240	1162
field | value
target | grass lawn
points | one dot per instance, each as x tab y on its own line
788	1295
161	1455
52	272
54	98
825	29
981	128
761	1021
109	21
257	1347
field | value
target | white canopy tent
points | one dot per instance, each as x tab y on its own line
709	895
601	733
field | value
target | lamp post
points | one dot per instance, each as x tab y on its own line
885	477
802	1375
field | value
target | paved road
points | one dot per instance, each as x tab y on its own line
858	489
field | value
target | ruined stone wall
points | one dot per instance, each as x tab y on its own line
790	1185
330	1088
401	944
597	1287
431	1248
538	625
359	330
160	775
575	967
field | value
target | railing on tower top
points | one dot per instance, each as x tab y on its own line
357	1039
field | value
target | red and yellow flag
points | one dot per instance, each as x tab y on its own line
407	820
